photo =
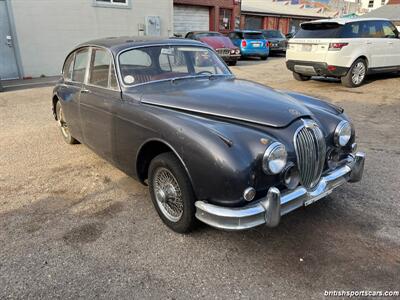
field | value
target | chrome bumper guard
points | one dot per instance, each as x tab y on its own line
269	210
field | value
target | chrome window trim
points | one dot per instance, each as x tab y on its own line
87	70
168	79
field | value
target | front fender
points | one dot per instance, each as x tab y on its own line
222	159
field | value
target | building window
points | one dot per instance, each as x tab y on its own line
383	2
112	3
371	3
225	17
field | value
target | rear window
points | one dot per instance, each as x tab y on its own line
253	36
319	31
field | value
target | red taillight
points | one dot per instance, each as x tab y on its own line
337	46
244	43
331	68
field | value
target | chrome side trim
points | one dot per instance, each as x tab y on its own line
276	204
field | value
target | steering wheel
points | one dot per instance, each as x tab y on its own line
205	73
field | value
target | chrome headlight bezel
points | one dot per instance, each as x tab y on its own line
274	165
343	133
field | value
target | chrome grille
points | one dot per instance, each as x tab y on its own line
310	151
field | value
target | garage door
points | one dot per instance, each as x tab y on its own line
191	18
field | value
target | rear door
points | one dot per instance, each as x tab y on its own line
99	95
393	42
377	46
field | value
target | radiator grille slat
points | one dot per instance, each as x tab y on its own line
310	151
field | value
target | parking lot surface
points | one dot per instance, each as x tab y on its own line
73	226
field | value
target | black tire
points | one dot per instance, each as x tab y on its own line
264	57
232	63
301	77
68	138
351	80
168	162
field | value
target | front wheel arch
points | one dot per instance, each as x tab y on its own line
149	150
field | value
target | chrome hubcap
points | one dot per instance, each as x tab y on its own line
168	194
358	73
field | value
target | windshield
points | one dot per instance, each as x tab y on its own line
253	36
319	30
273	34
142	65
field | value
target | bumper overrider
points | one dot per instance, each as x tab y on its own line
269	210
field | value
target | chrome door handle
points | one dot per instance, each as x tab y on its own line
369	43
390	43
85	91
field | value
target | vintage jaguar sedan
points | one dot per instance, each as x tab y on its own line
232	153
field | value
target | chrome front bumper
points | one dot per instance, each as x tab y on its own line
269	210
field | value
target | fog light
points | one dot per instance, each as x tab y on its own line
249	194
291	177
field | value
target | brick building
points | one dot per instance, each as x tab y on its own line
286	17
198	15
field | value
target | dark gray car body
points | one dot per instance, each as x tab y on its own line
215	125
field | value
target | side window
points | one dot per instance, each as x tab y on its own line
99	68
81	60
68	67
375	29
351	30
137	66
389	30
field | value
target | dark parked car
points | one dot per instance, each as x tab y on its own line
251	43
220	43
232	153
277	41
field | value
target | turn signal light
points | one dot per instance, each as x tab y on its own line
244	43
337	46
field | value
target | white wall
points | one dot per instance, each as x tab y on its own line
48	29
377	4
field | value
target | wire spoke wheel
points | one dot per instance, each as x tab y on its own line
168	194
62	123
358	73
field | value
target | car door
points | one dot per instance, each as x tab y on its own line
376	44
393	44
74	72
99	95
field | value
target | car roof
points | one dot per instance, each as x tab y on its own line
345	20
117	44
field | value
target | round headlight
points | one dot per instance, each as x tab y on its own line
342	133
274	159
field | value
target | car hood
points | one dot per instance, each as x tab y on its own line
218	42
226	98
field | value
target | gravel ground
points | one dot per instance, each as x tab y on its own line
73	226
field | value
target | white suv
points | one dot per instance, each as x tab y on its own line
344	48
